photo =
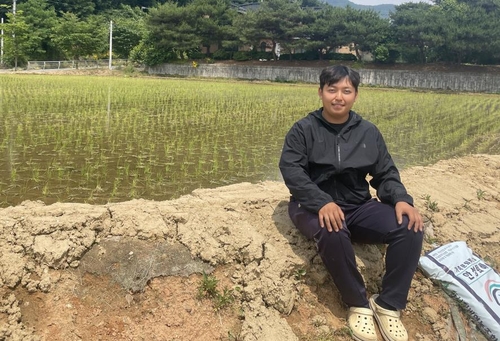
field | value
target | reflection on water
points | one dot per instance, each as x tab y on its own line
96	139
156	140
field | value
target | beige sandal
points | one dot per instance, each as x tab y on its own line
360	320
389	322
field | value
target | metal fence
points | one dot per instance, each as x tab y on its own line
72	64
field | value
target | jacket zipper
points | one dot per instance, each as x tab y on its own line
338	161
338	150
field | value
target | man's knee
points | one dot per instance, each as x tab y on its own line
402	233
410	238
334	240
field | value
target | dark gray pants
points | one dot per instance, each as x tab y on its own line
372	222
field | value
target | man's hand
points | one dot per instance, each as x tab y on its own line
331	217
414	217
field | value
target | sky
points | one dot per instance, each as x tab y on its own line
380	2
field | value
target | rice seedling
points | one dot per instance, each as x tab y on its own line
101	139
208	289
431	205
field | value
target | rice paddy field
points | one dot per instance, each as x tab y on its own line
107	139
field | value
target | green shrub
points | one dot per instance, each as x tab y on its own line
311	55
381	54
241	56
221	55
298	56
196	54
147	54
285	56
385	55
308	55
256	55
341	56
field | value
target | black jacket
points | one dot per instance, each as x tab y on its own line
319	166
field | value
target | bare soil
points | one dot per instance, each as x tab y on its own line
132	270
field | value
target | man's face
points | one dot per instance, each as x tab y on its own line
338	100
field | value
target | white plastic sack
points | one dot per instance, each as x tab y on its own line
468	279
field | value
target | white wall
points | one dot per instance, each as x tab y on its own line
475	82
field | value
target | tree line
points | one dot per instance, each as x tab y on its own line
153	32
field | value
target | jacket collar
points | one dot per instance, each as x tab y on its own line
355	120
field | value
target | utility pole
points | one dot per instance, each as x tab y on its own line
14	34
1	34
110	43
1	46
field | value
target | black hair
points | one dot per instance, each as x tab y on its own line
334	74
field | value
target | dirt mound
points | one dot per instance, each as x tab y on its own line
120	271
